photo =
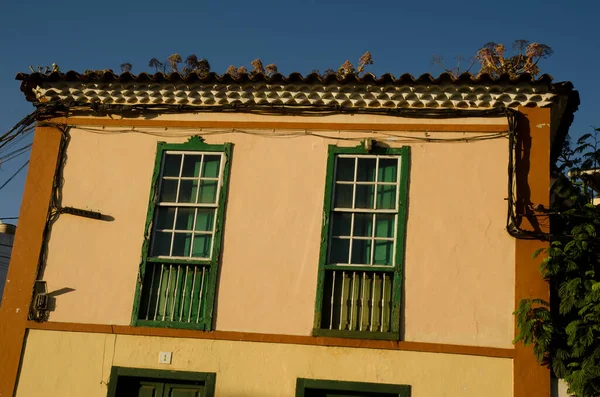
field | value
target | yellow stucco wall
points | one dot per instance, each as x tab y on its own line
69	364
459	270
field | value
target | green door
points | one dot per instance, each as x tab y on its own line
140	387
333	393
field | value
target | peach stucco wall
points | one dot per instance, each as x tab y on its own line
70	364
459	269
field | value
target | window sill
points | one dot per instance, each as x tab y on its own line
356	334
170	324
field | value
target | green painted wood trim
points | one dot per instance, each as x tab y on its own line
208	378
333	150
147	231
181	261
171	324
361	387
195	143
334	333
401	238
209	303
387	269
324	234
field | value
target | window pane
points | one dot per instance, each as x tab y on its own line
383	253
341	224
168	191
202	243
343	196
161	244
187	191
345	169
384	225
366	170
191	165
181	244
208	192
185	219
172	165
205	219
361	252
339	250
388	170
364	196
165	217
363	225
211	166
386	196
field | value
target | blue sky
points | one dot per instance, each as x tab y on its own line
295	35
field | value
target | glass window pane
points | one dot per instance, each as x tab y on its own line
366	170
342	196
363	225
208	192
168	191
385	225
386	196
341	224
165	217
364	196
383	253
344	169
187	191
161	244
202	243
185	218
212	164
172	165
388	170
361	252
191	165
205	219
339	250
181	244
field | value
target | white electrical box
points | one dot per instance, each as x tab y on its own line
165	357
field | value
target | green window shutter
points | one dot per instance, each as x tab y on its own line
181	250
175	390
362	244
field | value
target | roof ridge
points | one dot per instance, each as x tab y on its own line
295	77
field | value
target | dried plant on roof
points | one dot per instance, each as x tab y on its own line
232	71
174	60
347	68
271	70
525	61
458	69
494	61
364	60
257	67
126	67
157	65
194	65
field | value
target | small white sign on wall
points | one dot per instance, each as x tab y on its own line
165	357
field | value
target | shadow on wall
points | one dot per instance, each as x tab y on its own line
52	297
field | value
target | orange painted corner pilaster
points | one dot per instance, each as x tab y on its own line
533	187
23	267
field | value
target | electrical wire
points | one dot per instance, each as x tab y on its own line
400	138
15	154
13	175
